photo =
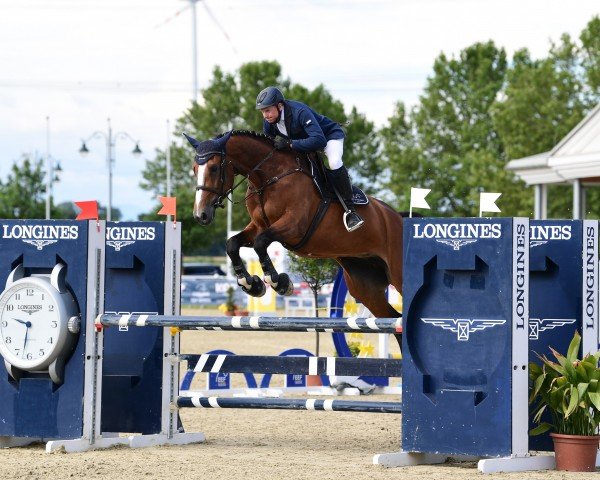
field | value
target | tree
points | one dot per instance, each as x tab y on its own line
229	103
316	272
542	102
590	59
448	142
22	195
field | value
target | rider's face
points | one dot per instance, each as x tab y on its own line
270	114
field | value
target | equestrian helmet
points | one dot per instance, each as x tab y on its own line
268	97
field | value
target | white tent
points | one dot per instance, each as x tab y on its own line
575	161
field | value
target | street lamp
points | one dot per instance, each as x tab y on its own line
110	139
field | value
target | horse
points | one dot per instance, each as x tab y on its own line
284	206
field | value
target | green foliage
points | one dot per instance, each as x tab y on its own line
354	348
23	193
590	58
569	389
447	143
229	103
230	305
478	111
316	272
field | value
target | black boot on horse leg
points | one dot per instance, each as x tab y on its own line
280	282
341	181
251	284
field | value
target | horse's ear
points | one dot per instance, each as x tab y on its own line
193	142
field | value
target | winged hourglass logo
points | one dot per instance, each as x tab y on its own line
455	244
463	327
118	244
537	325
40	244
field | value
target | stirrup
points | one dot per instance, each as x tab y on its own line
353	227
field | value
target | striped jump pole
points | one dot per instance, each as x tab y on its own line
289	404
276	324
333	366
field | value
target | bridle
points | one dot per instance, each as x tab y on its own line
222	194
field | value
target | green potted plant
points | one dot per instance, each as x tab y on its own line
230	306
569	390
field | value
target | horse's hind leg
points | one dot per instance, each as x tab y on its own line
280	282
367	281
251	284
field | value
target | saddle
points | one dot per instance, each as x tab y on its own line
322	180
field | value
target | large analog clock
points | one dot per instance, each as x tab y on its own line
38	323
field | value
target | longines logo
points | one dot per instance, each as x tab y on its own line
542	234
119	237
40	235
520	278
29	309
537	325
456	235
463	327
590	285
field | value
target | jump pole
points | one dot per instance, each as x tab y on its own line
289	404
274	324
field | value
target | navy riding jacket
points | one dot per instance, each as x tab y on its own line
308	130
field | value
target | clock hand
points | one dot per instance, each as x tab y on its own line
21	321
25	341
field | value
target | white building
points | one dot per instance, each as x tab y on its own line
575	161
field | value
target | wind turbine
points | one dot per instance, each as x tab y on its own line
192	7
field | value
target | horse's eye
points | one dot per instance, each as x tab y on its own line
213	168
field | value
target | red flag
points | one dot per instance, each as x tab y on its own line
89	210
169	206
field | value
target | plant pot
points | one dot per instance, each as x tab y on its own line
575	453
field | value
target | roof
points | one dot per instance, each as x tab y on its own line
576	156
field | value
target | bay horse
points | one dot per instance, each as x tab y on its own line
282	200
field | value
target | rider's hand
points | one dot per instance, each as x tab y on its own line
282	143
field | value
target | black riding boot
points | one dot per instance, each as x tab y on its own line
352	220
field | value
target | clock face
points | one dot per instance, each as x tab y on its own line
31	327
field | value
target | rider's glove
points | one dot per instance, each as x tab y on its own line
282	143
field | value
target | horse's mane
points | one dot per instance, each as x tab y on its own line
250	133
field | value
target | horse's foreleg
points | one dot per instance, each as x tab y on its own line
280	282
251	284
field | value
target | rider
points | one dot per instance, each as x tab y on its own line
295	125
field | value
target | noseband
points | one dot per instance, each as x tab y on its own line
221	195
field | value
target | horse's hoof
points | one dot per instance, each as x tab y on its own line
284	285
257	287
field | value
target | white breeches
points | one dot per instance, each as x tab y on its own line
334	151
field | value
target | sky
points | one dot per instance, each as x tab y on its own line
66	66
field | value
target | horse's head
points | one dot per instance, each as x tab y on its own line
214	176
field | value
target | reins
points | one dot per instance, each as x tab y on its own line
221	195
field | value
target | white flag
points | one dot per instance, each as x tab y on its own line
417	198
487	202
